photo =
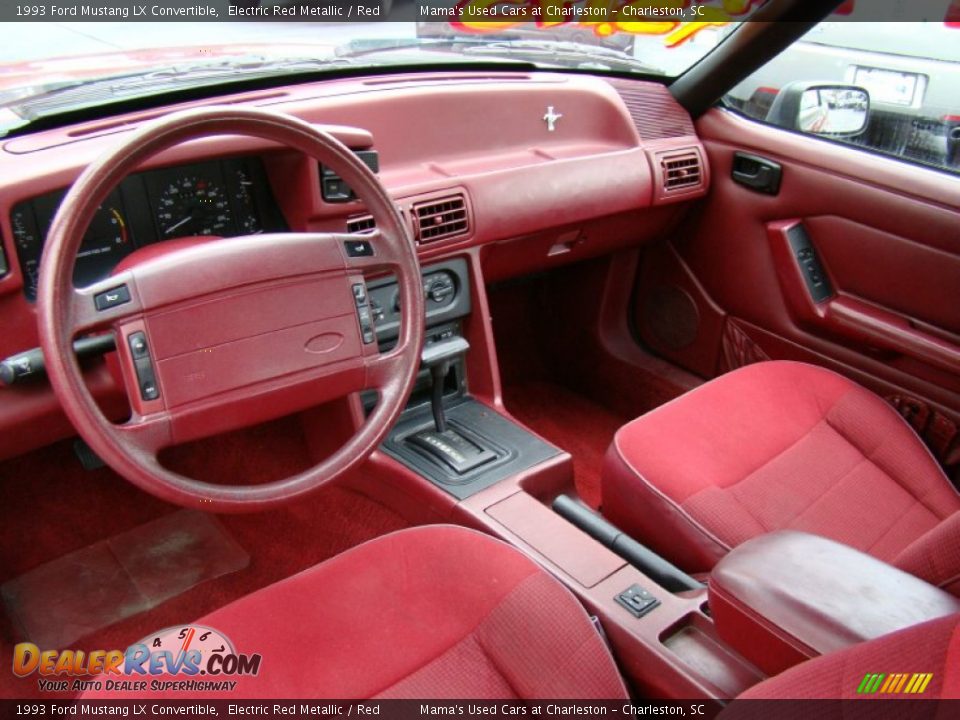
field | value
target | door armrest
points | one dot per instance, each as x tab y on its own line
824	307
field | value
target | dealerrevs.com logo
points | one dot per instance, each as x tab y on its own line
189	658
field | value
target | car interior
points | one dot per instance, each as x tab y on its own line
485	383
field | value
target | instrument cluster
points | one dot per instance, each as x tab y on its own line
221	198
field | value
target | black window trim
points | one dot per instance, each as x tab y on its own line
949	172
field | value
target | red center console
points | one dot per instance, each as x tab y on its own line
665	642
773	602
672	650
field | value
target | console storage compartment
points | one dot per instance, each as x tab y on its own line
665	644
782	598
549	534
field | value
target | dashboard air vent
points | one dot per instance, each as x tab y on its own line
655	112
361	224
441	218
681	170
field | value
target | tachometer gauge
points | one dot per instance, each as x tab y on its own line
193	205
24	227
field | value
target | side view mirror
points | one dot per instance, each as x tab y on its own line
821	109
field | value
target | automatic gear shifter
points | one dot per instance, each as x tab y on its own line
436	357
444	443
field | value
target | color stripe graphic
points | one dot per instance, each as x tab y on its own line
894	683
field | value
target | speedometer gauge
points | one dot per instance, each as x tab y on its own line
193	205
216	198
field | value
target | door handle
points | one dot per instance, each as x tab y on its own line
757	173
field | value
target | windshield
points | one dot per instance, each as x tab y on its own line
51	68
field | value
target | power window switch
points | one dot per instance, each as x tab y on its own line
637	601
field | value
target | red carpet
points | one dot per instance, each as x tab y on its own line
571	422
50	507
560	379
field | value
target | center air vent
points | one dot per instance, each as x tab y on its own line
361	224
681	170
441	218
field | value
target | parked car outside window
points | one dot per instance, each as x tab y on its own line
911	72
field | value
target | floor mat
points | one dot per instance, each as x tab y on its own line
573	423
49	507
87	590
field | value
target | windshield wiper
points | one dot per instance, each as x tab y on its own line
20	111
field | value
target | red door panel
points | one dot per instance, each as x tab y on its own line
887	235
829	307
913	278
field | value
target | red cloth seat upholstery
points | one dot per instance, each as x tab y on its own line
444	612
426	613
782	445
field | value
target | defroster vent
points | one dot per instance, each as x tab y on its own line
655	112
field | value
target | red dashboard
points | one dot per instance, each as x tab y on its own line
524	171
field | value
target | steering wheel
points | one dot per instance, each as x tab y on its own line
232	332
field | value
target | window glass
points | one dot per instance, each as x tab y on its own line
892	87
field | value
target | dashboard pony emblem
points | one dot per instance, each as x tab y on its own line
551	118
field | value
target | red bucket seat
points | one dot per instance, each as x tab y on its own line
444	612
782	445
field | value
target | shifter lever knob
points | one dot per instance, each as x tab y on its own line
444	350
437	356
